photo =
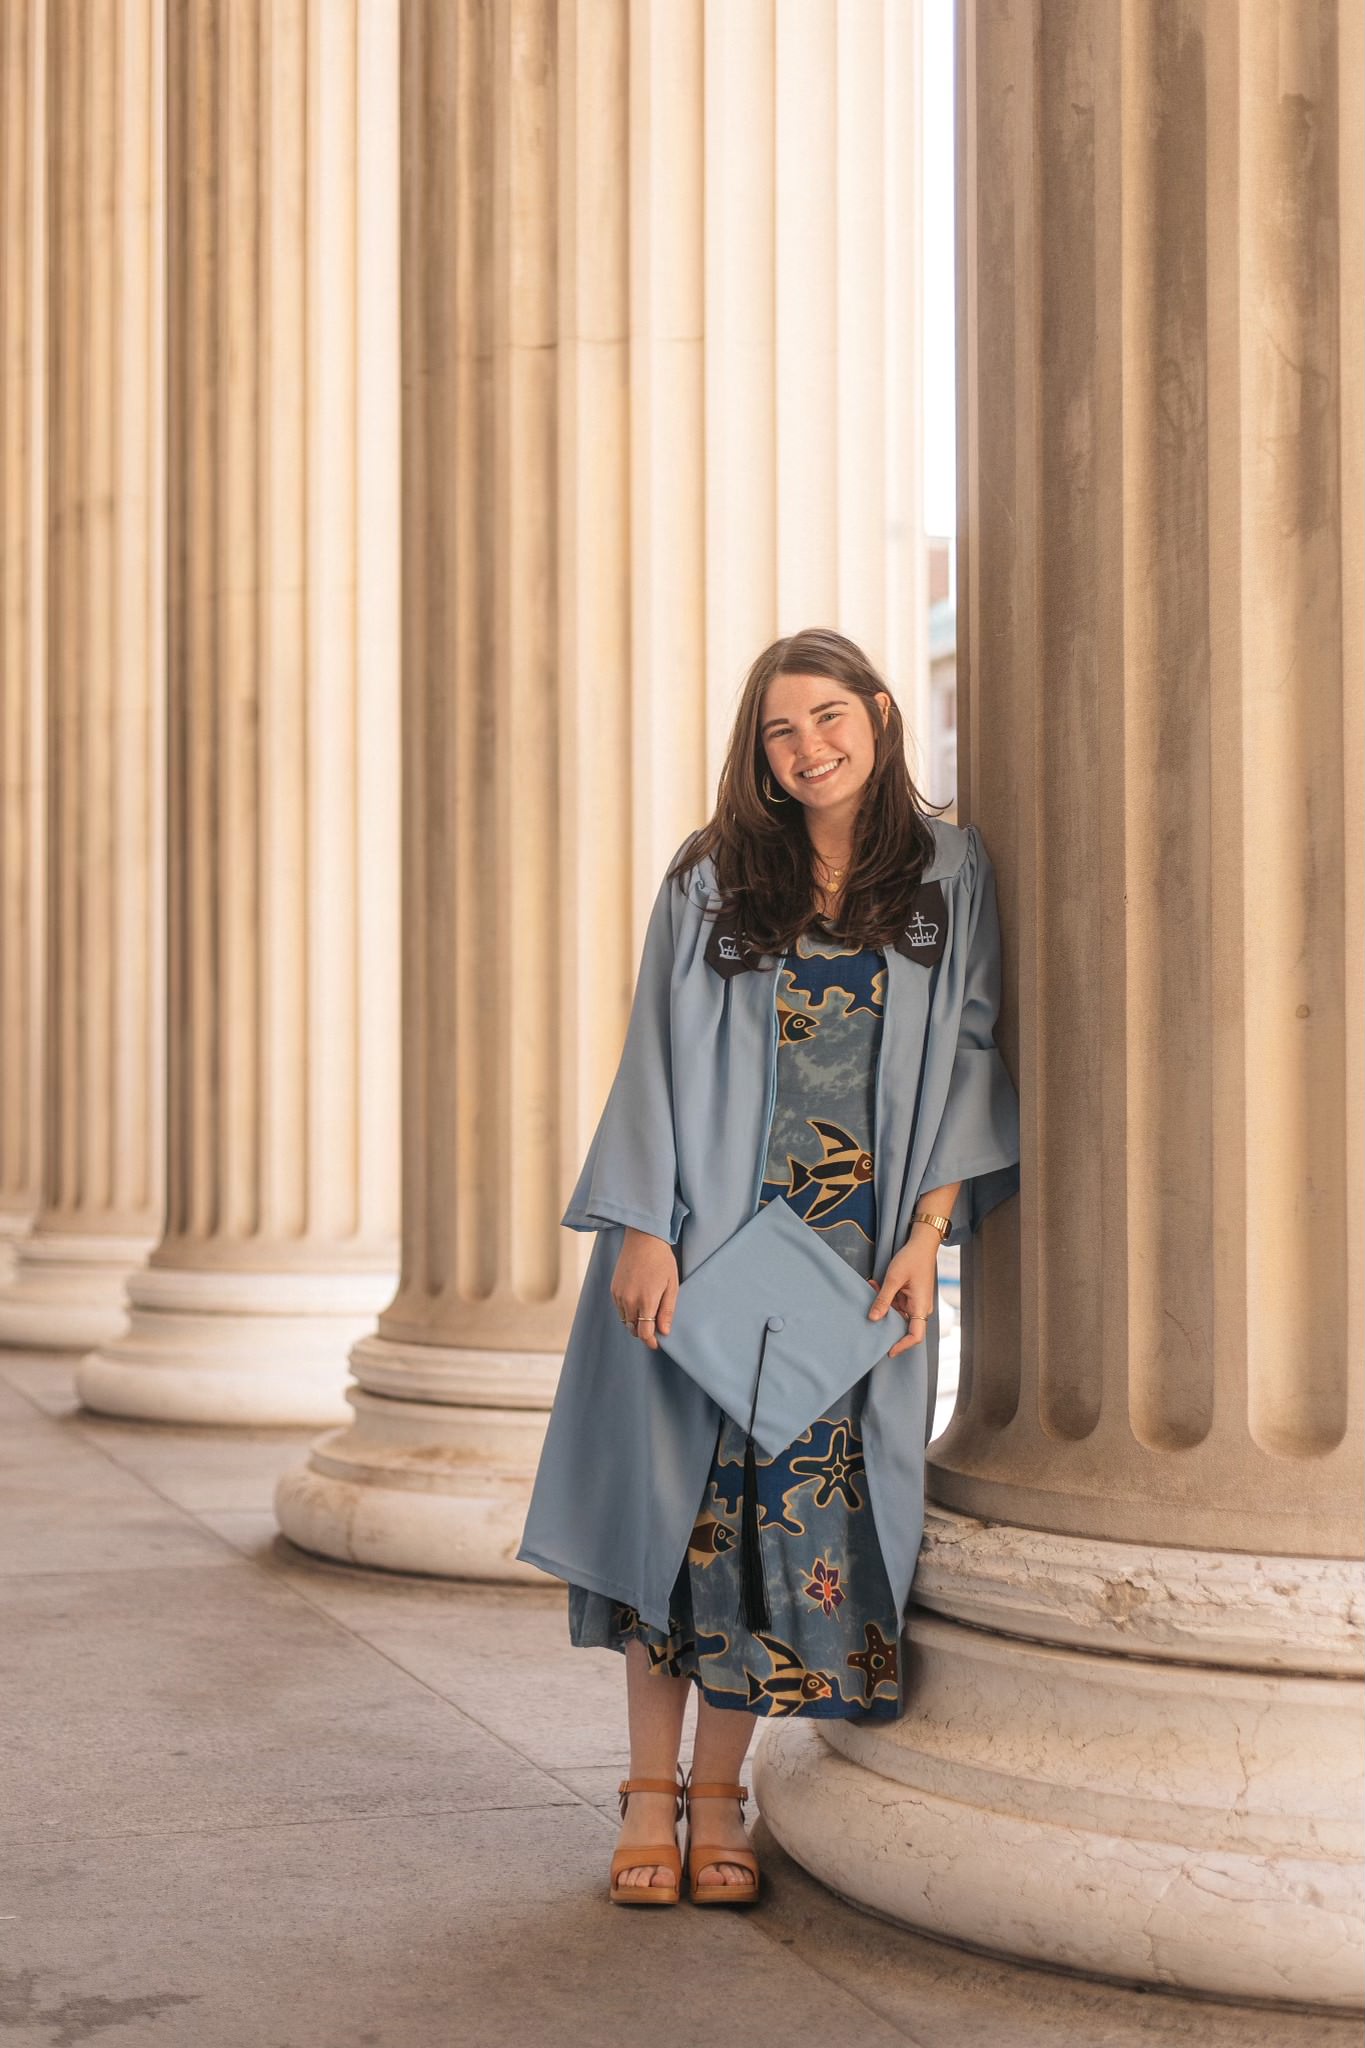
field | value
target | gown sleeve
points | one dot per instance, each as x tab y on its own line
630	1174
978	1135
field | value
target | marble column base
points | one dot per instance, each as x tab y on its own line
434	1478
15	1225
234	1348
1154	1817
67	1292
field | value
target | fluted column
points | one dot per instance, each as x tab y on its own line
451	1393
1137	1643
281	1228
23	251
593	555
101	1171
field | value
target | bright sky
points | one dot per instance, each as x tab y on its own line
940	455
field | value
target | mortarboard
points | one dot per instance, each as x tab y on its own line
774	1327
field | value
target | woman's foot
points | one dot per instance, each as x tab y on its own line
721	1821
650	1818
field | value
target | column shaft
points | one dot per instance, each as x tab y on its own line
23	252
281	1222
104	663
1157	1446
592	558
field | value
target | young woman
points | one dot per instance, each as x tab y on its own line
812	1023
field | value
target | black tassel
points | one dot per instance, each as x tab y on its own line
752	1584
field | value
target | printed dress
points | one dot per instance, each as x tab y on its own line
833	1646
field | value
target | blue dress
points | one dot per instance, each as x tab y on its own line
833	1647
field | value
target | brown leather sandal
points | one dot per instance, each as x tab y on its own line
701	1854
631	1855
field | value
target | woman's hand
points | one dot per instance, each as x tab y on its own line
645	1286
909	1285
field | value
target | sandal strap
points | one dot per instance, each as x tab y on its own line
634	1854
673	1785
739	1792
701	1855
705	1856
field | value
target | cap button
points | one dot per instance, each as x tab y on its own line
774	1322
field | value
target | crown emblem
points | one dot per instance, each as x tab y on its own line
922	939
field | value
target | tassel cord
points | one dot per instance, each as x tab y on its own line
753	1585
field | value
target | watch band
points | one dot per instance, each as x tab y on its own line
942	1224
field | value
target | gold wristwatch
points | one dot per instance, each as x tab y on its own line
942	1224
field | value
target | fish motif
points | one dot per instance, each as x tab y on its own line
794	1027
790	1683
672	1655
711	1538
844	1167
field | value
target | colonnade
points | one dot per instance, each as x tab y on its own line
519	371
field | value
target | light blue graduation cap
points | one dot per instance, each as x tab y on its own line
774	1327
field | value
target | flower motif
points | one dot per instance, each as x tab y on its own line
824	1585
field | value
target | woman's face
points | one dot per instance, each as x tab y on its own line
810	724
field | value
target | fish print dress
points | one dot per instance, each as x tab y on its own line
832	1650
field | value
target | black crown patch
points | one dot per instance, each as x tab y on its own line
726	949
925	934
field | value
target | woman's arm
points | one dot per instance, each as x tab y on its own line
912	1275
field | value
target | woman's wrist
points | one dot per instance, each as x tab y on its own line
934	1202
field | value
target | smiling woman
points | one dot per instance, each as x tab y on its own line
813	1025
816	811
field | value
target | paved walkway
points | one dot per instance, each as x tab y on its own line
251	1800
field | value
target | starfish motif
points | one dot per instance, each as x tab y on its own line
837	1471
877	1662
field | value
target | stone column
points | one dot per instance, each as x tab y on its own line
1132	1742
281	1229
593	473
104	658
23	253
451	1393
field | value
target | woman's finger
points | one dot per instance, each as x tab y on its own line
664	1311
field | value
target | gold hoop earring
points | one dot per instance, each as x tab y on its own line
770	792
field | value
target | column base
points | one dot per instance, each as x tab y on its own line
438	1485
14	1227
68	1291
233	1348
1155	1821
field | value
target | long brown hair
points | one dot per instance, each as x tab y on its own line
764	860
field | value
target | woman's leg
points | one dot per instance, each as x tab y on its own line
655	1703
722	1737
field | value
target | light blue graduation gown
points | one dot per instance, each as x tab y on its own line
679	1151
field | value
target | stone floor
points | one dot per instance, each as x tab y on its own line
251	1800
